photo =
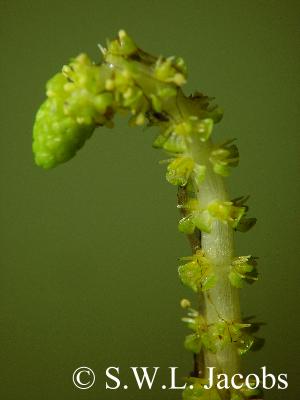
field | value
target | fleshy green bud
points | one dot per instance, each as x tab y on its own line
57	137
77	102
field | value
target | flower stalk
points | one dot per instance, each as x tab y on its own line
86	95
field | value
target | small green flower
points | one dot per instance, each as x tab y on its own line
224	157
216	337
179	170
123	45
202	218
243	269
170	70
226	212
196	218
197	273
202	128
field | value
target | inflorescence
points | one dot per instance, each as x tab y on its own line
85	95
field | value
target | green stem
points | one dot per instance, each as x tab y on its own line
222	301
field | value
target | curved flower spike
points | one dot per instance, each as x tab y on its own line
85	95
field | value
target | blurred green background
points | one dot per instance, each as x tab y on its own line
89	250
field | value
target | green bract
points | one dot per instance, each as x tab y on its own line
243	269
245	223
223	157
197	273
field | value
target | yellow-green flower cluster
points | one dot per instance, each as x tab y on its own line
202	218
85	95
127	95
215	337
181	168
